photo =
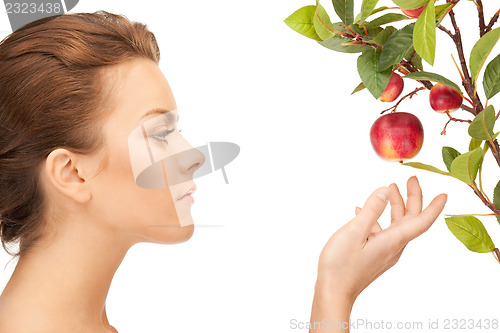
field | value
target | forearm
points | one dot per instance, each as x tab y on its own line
330	310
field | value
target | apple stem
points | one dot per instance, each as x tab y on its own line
453	119
410	95
496	254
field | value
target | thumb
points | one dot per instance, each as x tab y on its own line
371	211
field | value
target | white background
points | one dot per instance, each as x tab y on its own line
239	74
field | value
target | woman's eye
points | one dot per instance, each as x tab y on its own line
162	135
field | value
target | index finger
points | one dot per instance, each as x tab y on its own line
371	211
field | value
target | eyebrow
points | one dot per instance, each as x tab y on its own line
159	111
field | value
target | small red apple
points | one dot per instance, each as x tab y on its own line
393	89
444	98
397	136
413	12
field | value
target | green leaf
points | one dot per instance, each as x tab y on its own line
384	19
416	60
481	50
434	78
341	44
449	154
422	166
345	10
360	87
465	166
367	7
474	144
491	78
321	21
379	9
410	4
471	232
302	22
441	10
373	80
396	46
424	34
496	198
382	36
373	31
481	127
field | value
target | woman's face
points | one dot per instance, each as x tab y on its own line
143	121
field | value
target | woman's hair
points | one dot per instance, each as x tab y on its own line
53	92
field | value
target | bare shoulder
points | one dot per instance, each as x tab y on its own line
38	322
19	317
15	319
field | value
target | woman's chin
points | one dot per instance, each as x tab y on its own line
168	234
178	234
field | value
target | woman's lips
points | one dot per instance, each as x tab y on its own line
188	196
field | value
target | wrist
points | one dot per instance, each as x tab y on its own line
334	291
331	305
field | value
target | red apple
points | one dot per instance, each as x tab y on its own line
444	98
397	136
393	89
413	12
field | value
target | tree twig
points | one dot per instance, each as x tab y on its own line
453	119
468	84
410	95
480	14
492	22
483	199
440	27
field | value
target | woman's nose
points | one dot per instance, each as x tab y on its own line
191	159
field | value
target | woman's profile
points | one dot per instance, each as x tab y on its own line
92	162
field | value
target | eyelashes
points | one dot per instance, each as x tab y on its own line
162	136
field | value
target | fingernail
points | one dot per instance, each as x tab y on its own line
383	194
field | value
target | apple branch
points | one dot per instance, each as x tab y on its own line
357	38
410	95
483	199
492	21
440	27
480	14
468	84
453	119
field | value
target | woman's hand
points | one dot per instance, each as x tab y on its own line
361	250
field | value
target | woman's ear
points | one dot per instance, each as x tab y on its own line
64	170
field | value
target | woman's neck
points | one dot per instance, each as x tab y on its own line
69	274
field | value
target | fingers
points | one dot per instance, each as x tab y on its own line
431	212
421	223
371	211
414	202
397	203
375	228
